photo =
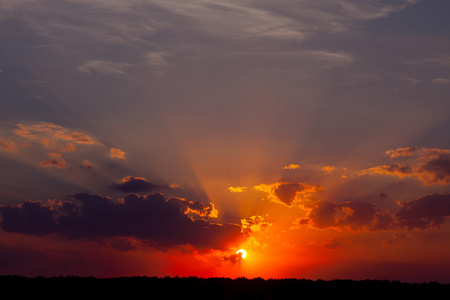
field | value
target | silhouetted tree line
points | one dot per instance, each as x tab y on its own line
80	288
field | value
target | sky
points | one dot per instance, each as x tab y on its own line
158	137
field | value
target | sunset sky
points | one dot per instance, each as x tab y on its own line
158	137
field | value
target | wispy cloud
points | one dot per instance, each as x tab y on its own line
117	153
7	144
105	67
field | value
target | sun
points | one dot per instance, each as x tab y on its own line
242	252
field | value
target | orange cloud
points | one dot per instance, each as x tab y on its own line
86	164
48	134
431	166
292	167
255	224
54	161
238	189
402	152
67	148
206	210
328	169
117	153
287	192
7	145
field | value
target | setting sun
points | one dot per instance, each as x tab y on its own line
242	252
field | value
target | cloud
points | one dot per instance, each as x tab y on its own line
52	135
8	145
104	67
350	215
55	141
158	61
198	208
86	164
328	169
235	258
402	152
255	224
441	81
237	189
132	184
429	211
425	212
431	166
287	192
291	167
150	218
331	59
116	153
55	161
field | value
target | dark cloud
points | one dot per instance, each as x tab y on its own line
149	218
426	212
287	192
198	208
132	184
233	258
352	215
437	170
29	218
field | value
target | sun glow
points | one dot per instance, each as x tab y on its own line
242	252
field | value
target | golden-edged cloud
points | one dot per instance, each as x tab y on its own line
287	192
430	165
116	153
151	219
255	224
292	167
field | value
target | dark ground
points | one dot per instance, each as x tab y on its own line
17	287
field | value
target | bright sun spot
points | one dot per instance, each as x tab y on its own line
242	252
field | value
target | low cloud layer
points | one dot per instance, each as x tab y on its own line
151	218
426	212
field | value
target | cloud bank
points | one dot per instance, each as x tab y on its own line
152	219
